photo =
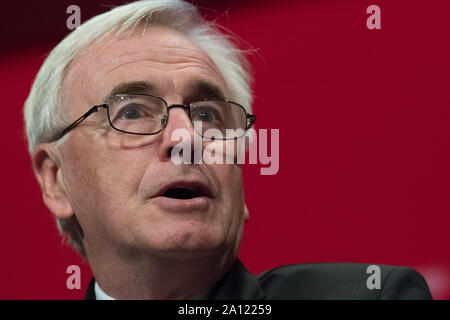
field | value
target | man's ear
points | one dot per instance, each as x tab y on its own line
46	166
246	213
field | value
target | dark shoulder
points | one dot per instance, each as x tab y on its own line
343	281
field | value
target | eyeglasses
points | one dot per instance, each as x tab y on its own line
142	114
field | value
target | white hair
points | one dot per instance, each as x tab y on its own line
44	111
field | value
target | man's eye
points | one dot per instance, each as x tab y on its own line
131	112
205	114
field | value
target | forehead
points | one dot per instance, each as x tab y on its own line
161	56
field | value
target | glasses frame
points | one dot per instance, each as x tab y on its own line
250	118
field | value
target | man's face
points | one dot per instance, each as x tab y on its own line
115	182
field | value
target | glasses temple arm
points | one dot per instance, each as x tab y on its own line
81	119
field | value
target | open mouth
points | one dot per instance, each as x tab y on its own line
185	191
181	193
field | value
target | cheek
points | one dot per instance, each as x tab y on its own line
229	177
233	204
100	185
232	194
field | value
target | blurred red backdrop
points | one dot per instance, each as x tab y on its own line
364	138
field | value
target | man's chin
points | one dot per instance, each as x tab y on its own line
187	246
186	255
187	252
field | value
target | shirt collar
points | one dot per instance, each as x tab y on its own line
100	294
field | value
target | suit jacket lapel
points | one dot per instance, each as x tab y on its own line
237	284
90	292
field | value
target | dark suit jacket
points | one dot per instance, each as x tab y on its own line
314	281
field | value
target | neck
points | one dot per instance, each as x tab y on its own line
146	276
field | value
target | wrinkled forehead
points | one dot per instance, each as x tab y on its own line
137	57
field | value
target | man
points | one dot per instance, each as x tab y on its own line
102	120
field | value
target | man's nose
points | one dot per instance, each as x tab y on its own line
179	128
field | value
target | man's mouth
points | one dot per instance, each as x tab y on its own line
181	193
184	197
185	191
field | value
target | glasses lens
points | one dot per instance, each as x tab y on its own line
137	113
219	119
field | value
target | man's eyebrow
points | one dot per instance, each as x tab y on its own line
197	90
204	90
136	87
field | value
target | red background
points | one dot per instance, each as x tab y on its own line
364	138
